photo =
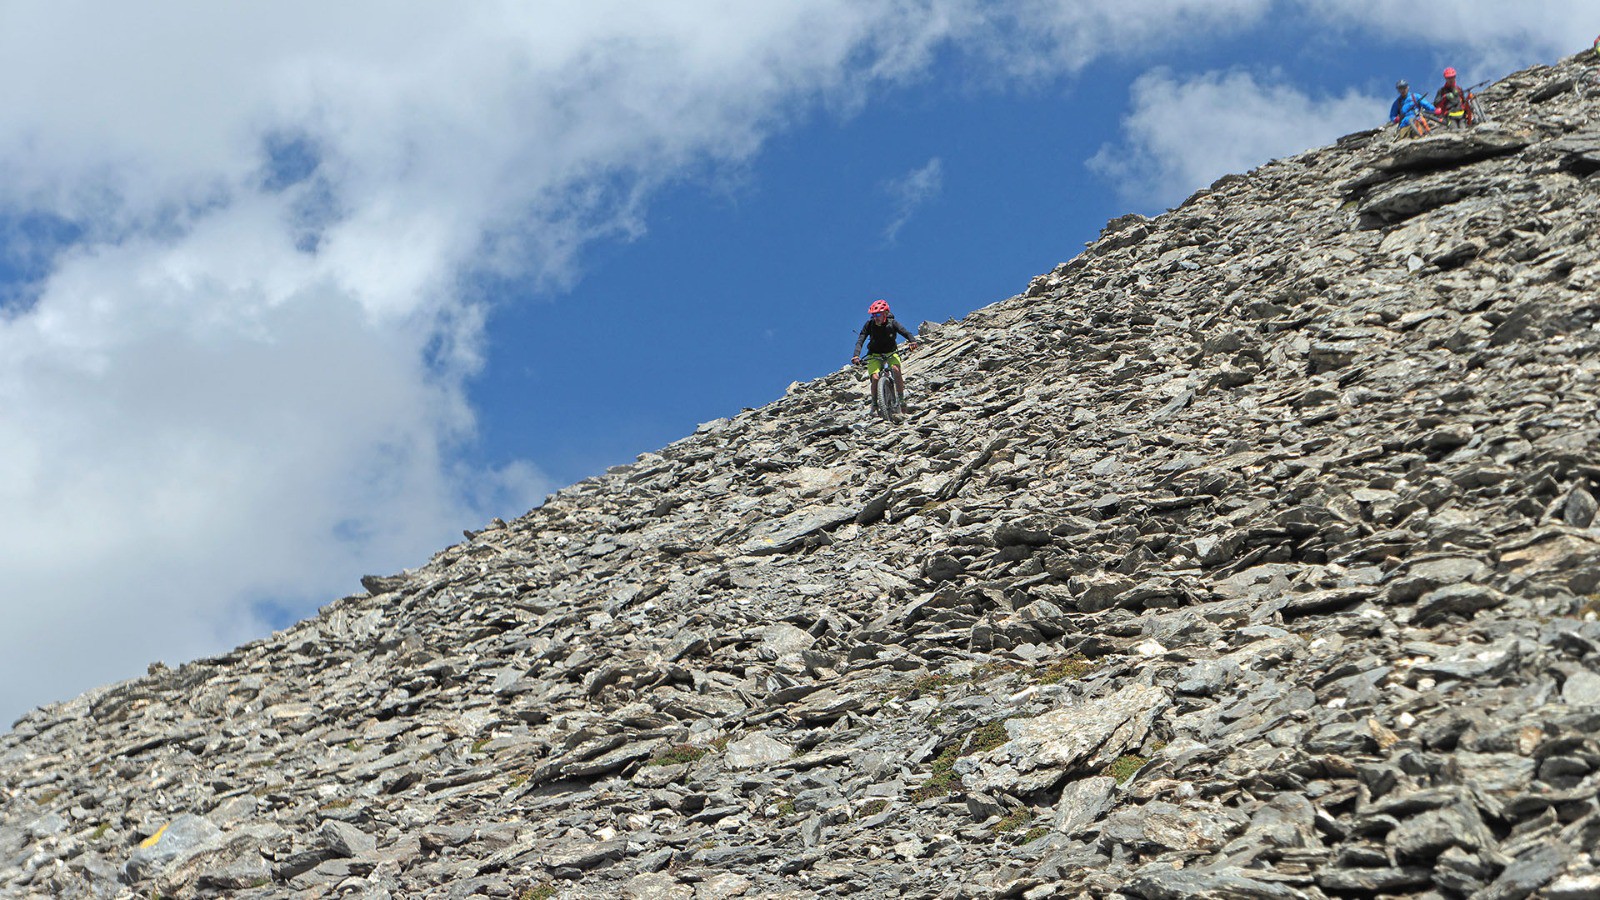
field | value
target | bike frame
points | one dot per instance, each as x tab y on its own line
877	390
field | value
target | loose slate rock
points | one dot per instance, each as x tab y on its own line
186	835
1349	579
756	751
788	532
1084	738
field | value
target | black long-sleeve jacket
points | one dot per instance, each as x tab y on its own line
882	336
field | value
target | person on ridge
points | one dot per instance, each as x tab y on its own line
1451	102
881	329
1407	109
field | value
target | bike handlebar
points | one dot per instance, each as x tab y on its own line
859	360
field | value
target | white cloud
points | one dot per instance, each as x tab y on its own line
1182	134
911	191
1491	38
1067	35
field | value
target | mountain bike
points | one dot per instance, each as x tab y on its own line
1588	84
1480	110
887	402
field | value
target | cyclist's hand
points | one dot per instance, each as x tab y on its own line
911	346
855	360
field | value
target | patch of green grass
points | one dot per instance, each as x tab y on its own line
678	755
995	670
872	808
930	682
342	803
1069	669
785	808
1013	821
938	784
1034	834
538	892
927	684
100	831
986	737
480	743
1125	766
980	739
48	797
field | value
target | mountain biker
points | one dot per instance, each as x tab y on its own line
881	328
1407	109
1451	102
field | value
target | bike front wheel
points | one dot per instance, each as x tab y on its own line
888	398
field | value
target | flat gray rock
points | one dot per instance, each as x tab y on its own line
1082	804
1084	738
756	751
184	836
786	533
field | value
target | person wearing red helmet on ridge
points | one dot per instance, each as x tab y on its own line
879	333
1451	103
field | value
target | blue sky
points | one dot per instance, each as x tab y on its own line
295	292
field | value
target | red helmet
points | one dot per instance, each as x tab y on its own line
878	306
1450	73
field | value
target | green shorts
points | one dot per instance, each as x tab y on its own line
875	362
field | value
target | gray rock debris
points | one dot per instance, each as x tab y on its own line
1251	554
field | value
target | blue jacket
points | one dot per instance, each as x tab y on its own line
1406	108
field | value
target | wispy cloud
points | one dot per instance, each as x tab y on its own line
911	191
1055	36
1182	134
1491	41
